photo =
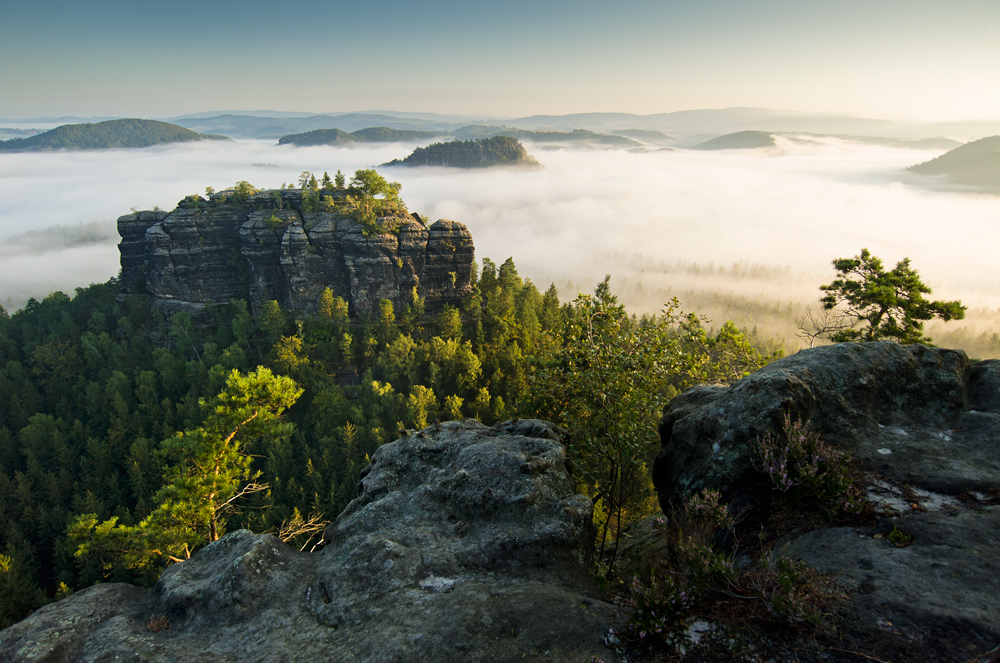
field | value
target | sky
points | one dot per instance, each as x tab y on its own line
925	60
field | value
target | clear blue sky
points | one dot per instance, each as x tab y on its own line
921	59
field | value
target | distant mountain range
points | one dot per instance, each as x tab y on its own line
681	128
253	126
368	135
748	140
973	165
125	133
577	136
686	128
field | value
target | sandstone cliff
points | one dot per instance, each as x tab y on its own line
273	246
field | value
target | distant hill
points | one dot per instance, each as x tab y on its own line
252	126
479	153
741	140
317	137
104	135
368	135
975	164
645	135
576	136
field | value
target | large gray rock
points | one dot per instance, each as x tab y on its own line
466	543
924	422
916	414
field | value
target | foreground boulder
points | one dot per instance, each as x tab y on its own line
466	543
925	424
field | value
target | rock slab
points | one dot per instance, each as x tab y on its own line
925	424
465	543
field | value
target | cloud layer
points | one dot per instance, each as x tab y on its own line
635	215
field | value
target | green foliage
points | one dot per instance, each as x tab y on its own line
274	224
887	305
90	410
371	196
242	192
209	469
604	383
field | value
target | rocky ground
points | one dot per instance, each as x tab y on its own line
466	543
919	569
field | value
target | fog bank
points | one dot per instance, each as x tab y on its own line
585	213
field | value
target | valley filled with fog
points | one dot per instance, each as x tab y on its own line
740	234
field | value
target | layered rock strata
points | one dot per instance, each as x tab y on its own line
466	543
209	252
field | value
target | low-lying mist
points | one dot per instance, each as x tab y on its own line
747	235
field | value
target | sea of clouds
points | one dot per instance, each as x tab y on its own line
660	222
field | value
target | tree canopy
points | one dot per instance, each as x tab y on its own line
882	305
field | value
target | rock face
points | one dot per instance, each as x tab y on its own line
466	543
210	252
924	422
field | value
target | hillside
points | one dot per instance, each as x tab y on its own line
367	135
645	136
480	153
741	140
975	164
104	135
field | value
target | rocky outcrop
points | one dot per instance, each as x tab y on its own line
269	247
925	424
465	543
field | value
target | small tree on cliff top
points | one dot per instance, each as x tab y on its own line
371	194
880	305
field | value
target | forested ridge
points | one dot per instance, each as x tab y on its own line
95	389
105	135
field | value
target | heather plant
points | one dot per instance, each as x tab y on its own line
655	606
805	469
694	566
793	593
